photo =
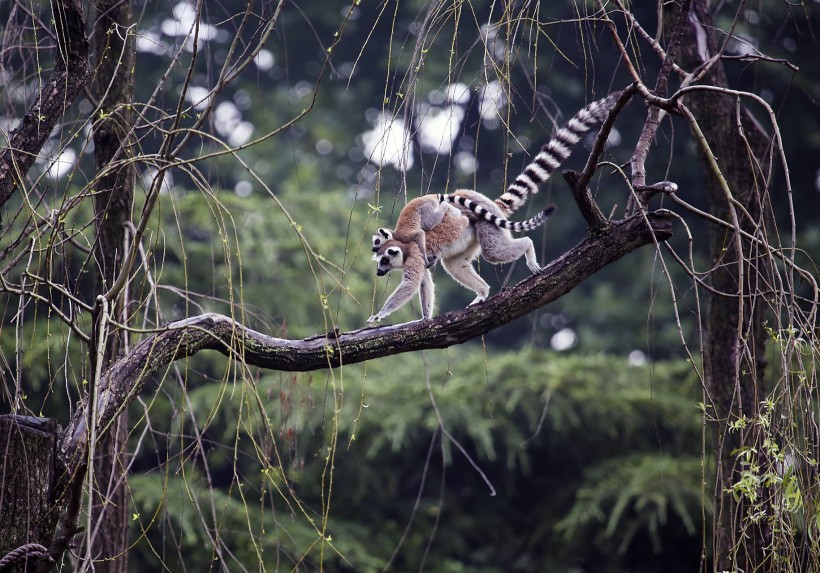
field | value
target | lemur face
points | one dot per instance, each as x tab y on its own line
392	258
382	236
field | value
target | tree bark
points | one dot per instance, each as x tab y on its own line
113	87
734	344
29	467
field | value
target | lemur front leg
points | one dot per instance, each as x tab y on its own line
427	295
413	280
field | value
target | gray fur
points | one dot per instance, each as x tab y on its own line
417	216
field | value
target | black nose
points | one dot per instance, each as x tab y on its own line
375	249
380	272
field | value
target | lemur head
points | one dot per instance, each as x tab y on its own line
390	256
382	236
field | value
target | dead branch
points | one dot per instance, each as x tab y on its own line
586	204
71	72
579	183
603	135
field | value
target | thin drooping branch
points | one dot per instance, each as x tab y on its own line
71	72
124	380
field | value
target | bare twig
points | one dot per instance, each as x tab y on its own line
635	25
652	123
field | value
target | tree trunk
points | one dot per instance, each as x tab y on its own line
734	324
38	511
27	447
113	87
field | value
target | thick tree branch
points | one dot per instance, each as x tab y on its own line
126	377
71	71
586	204
113	88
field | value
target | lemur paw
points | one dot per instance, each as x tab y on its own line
431	261
477	300
374	319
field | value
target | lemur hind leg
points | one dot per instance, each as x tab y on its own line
499	246
462	270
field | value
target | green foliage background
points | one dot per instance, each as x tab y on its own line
580	475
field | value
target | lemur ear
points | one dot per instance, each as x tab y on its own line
386	233
393	251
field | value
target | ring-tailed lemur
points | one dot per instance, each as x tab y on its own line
457	242
421	212
455	230
490	233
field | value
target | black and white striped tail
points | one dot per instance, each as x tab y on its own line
531	224
554	153
487	215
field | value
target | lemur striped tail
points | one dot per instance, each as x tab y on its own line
529	224
554	153
484	213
